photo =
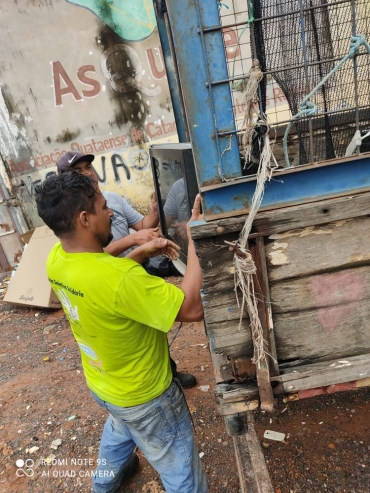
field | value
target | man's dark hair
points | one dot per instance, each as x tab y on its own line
60	198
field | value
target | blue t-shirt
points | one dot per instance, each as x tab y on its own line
124	217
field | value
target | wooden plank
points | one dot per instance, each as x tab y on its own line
229	408
236	398
226	337
329	389
324	292
323	374
288	218
222	367
318	249
236	391
324	333
274	368
362	359
253	473
217	262
262	368
221	307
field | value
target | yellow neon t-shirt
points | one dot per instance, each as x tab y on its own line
119	316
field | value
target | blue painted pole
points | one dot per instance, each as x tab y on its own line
201	62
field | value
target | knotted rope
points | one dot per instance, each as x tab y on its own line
244	264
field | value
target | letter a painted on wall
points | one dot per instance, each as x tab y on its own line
131	20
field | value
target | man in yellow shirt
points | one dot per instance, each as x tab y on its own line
120	316
125	218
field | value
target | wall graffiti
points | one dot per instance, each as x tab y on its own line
117	165
130	20
100	90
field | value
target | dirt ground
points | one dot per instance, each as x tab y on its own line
47	415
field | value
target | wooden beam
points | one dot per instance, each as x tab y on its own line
262	368
287	218
253	473
264	282
236	398
323	374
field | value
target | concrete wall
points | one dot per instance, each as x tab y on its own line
80	75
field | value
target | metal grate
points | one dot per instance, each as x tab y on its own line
298	43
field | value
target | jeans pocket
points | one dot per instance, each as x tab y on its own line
154	428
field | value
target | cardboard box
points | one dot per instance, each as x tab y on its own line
29	284
27	236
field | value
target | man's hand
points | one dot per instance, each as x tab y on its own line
195	214
152	219
144	235
154	206
180	229
159	246
192	308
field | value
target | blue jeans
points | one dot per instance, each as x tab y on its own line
161	428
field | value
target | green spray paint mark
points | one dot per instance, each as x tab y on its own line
131	20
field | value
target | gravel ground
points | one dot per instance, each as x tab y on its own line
46	412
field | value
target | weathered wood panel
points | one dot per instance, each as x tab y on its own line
323	374
262	293
253	473
236	398
328	332
318	276
227	338
315	249
216	260
221	310
221	306
288	218
332	291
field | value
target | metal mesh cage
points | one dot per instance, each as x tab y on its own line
304	48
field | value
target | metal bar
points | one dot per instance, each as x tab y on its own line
164	32
294	186
304	49
211	95
355	72
324	113
237	24
7	233
193	54
292	67
175	90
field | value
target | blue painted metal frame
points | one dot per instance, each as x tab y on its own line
296	186
202	68
201	61
171	77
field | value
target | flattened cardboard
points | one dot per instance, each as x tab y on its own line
29	285
27	236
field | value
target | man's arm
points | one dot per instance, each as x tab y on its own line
192	309
158	246
152	219
122	208
142	236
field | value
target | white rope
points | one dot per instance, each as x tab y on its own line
245	267
251	99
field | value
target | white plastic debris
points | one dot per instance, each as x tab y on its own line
274	435
55	443
33	449
204	388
